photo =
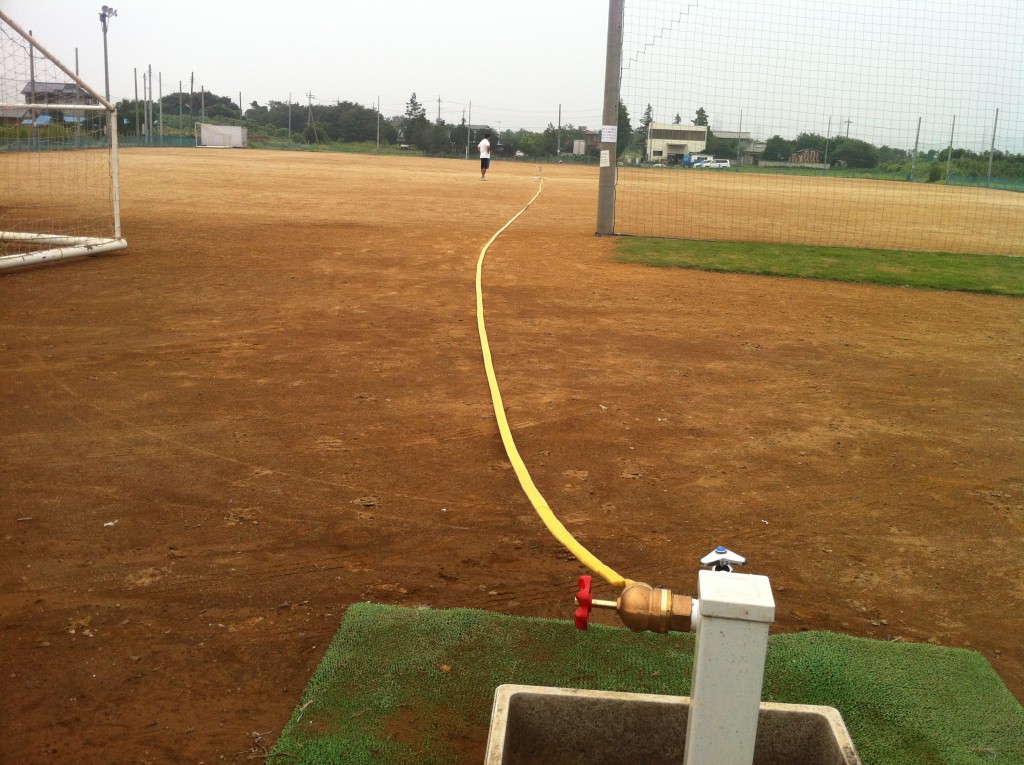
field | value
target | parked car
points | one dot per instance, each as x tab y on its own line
714	163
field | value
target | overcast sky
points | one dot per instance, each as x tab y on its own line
871	67
515	62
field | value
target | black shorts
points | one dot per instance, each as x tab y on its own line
485	163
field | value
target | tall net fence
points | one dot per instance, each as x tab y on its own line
57	184
894	124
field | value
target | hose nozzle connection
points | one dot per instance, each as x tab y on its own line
640	607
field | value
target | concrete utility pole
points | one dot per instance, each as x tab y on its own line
558	148
309	122
610	120
149	111
949	151
913	158
992	148
135	71
828	137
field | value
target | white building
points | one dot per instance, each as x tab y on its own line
750	146
667	144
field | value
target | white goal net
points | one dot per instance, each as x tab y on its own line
58	158
221	136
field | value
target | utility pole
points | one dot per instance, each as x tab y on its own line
913	158
739	142
145	104
310	122
135	70
828	137
848	127
992	148
439	110
78	123
149	120
949	152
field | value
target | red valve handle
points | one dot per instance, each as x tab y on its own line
585	601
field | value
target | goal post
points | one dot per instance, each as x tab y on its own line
59	184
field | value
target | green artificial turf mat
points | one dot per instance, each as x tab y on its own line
406	685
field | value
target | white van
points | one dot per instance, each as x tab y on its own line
714	163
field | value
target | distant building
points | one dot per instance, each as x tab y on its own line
56	93
749	146
806	157
668	144
13	115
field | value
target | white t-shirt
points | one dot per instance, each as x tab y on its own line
485	149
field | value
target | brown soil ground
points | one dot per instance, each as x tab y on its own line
836	212
273	405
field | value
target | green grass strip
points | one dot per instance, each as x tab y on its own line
405	686
991	274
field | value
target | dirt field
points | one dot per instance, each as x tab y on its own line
273	405
834	212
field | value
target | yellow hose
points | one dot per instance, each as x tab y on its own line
539	504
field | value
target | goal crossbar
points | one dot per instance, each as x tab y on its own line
56	61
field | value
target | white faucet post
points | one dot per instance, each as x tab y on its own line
728	672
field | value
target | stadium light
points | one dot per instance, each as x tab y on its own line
105	13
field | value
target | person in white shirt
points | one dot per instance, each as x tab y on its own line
485	155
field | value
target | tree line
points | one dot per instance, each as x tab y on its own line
348	122
341	122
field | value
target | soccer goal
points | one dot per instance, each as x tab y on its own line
221	136
58	158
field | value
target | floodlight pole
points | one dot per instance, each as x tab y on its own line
106	12
610	120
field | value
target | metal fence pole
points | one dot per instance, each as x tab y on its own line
610	119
